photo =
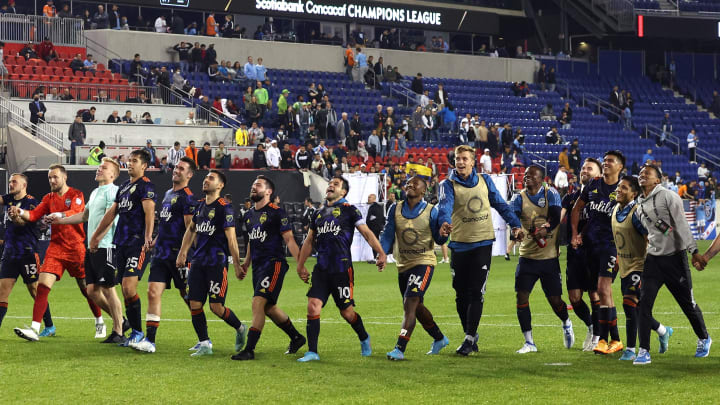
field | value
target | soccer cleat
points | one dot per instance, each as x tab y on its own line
507	256
527	348
100	331
438	345
475	340
642	358
568	335
27	334
240	336
365	348
144	346
204	349
135	337
309	356
628	355
588	343
244	355
114	338
197	345
614	346
465	348
601	347
47	331
664	339
395	354
703	347
295	344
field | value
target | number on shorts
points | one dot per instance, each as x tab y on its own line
265	283
612	262
635	279
414	279
31	268
214	288
132	262
344	292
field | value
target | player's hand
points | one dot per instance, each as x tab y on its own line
699	261
52	218
181	260
576	241
245	265
380	261
148	244
152	243
445	229
541	233
240	271
14	211
94	243
518	234
303	273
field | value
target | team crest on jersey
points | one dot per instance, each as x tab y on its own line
263	218
228	218
284	221
151	194
67	202
336	212
541	202
173	200
211	214
132	189
613	195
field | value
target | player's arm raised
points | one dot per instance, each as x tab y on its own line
103	227
149	209
188	240
304	254
374	244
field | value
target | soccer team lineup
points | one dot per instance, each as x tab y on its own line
616	226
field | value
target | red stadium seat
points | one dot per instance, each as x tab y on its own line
212	163
236	163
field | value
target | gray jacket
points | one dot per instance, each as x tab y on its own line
667	206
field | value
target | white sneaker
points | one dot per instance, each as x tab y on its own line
527	348
593	342
588	343
204	349
144	346
27	334
100	331
568	335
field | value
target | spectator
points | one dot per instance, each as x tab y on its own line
161	24
379	69
568	111
561	181
303	159
349	61
204	156
146	119
222	157
373	144
441	96
692	141
89	63
228	26
375	215
703	172
249	70
256	132
563	158
648	158
379	117
49	9
137	71
260	70
449	118
286	157
547	113
122	161
361	65
486	161
715	104
89	115
211	26
174	155
242	136
184	50
563	120
429	127
273	155
317	165
552	137
210	55
417	84
362	153
96	155
551	79
541	76
46	50
66	95
575	160
627	115
667	129
262	98
77	135
100	19
113	118
191	151
259	160
127	118
342	129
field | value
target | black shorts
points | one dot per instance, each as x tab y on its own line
100	267
165	271
268	280
26	266
630	284
339	285
602	263
129	261
207	281
577	273
469	271
415	281
529	271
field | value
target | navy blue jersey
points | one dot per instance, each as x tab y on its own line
599	201
568	202
171	224
130	228
334	227
211	244
20	240
265	229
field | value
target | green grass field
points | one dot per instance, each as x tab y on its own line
74	368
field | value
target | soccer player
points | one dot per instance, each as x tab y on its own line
65	251
412	227
20	256
597	238
631	243
669	240
213	232
538	208
577	275
99	265
178	208
464	202
268	226
135	207
334	226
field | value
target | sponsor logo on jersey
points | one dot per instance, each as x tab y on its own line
165	213
329	227
126	203
256	234
206	227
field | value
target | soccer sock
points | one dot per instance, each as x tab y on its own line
47	318
631	321
200	324
562	313
402	342
253	337
97	312
474	314
133	312
660	329
603	316
288	328
3	311
313	332
462	309
40	305
612	325
152	322
434	331
358	327
583	312
524	317
230	318
528	336
595	317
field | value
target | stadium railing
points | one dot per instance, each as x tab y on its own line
44	132
82	91
33	28
657	133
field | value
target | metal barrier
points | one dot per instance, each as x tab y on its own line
44	132
662	137
85	91
201	112
33	28
601	105
623	11
562	84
